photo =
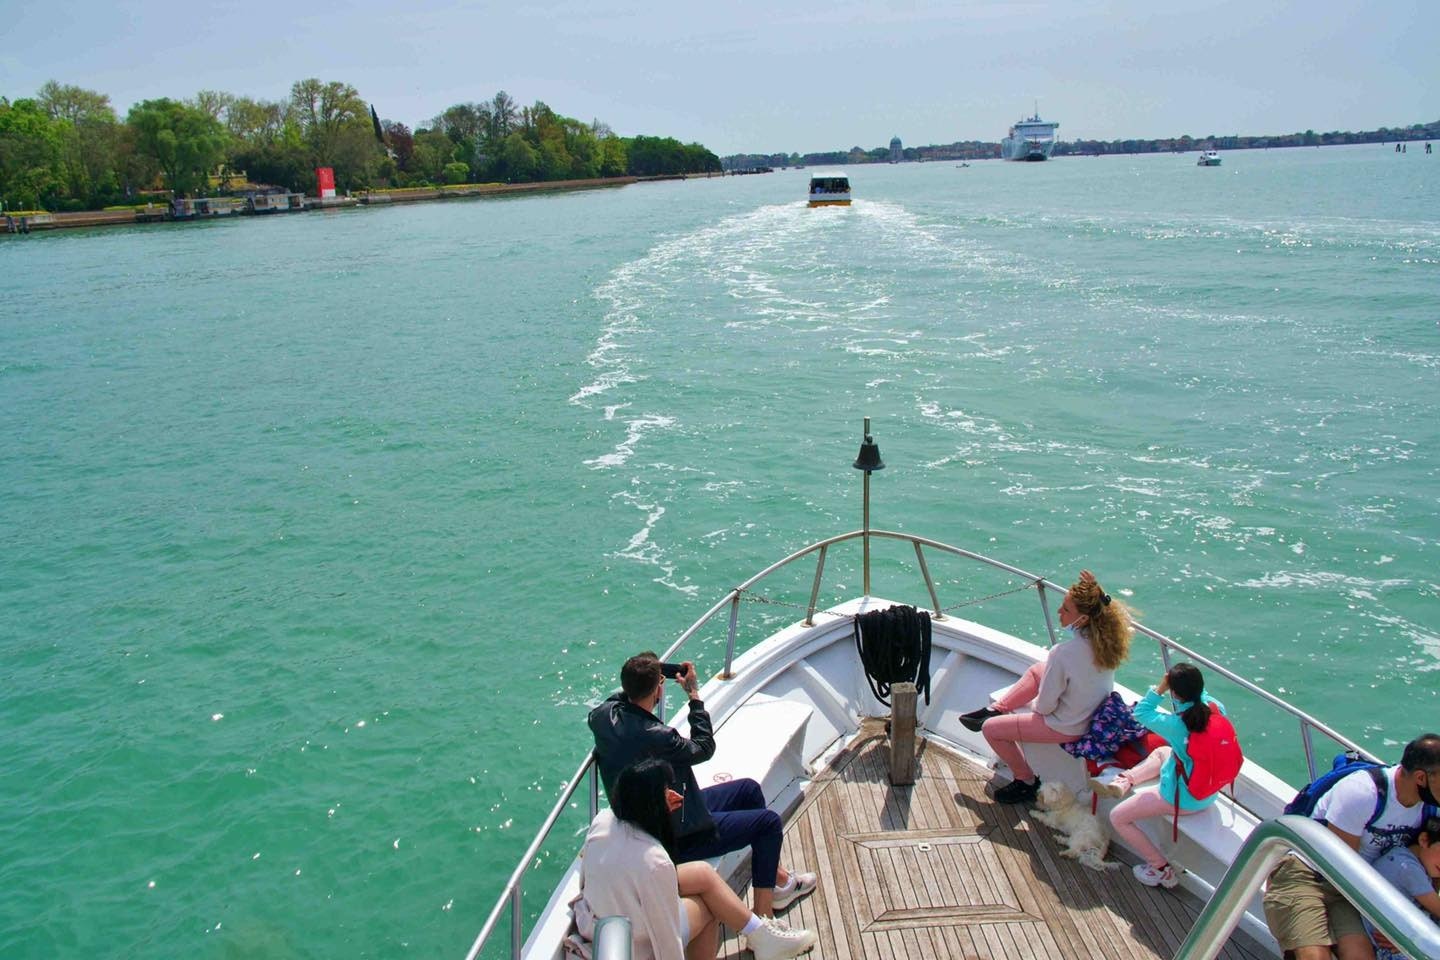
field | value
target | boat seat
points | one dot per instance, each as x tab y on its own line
1218	831
1048	760
762	740
1213	830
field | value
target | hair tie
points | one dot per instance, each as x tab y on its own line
1105	600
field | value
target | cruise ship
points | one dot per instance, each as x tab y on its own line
1031	139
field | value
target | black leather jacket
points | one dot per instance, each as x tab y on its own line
625	733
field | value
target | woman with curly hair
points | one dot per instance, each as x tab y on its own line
1063	690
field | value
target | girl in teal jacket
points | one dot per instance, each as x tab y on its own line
1192	712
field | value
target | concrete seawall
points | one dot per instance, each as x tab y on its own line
158	212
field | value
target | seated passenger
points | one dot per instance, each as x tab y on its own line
1412	870
1304	911
625	870
714	821
1063	691
1192	715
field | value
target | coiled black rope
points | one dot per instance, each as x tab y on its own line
894	647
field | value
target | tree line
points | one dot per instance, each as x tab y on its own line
979	149
67	149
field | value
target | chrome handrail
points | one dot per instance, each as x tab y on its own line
511	894
612	938
1393	913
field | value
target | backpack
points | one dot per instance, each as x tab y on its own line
1216	760
1343	765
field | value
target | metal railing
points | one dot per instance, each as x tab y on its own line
514	889
1393	913
612	938
511	896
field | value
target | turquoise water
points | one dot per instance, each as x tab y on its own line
318	533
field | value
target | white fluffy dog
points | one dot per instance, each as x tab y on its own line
1084	839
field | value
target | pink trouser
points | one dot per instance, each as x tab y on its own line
1141	806
1006	733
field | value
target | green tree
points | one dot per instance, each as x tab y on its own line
87	125
214	102
283	162
660	156
75	104
518	160
32	156
257	121
336	125
91	138
323	110
614	157
185	142
467	125
432	151
503	115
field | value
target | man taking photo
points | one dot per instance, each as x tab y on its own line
709	822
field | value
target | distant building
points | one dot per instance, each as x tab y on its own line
896	153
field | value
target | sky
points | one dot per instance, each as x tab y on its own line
764	76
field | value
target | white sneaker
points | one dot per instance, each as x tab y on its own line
775	941
1111	782
801	885
1164	877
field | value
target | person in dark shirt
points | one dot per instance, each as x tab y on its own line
710	822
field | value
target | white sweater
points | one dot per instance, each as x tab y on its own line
625	871
1072	687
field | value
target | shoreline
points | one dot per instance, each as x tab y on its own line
19	225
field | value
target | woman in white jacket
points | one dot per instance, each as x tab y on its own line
674	912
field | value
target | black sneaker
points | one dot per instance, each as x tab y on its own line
975	719
1018	791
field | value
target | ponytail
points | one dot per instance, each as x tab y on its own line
1188	684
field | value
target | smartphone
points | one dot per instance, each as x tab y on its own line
672	670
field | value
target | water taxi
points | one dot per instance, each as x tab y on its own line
933	866
829	190
1210	158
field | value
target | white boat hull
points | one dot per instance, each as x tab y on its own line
1031	150
816	668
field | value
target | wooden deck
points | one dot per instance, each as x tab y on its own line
940	870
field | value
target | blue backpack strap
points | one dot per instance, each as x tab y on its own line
1382	793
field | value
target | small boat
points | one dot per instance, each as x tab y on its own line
829	190
961	166
928	857
1210	158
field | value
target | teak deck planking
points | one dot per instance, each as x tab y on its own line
989	883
